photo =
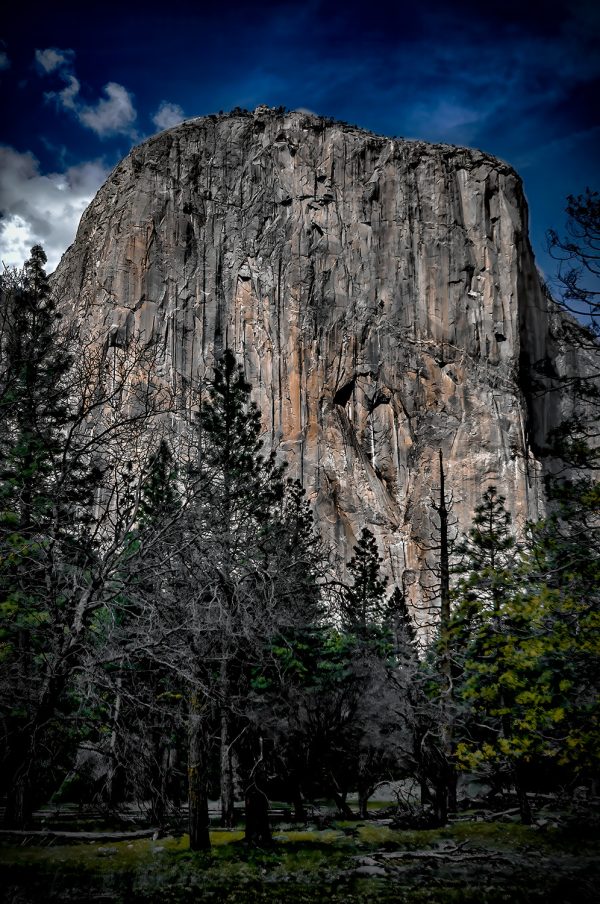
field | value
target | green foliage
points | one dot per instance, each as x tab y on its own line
529	679
159	498
512	863
363	602
44	493
490	541
239	485
398	621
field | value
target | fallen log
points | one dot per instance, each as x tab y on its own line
52	834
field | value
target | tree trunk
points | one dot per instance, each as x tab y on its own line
299	808
258	830
340	802
452	790
159	779
197	784
446	661
363	800
112	764
20	764
227	789
524	805
425	793
18	803
440	801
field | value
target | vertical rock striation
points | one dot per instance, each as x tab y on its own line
381	294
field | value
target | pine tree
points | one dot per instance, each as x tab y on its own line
34	405
239	483
68	439
486	616
233	518
578	255
284	682
41	490
159	498
145	716
558	655
398	620
298	561
363	602
488	554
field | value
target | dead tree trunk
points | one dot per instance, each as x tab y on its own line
258	830
447	779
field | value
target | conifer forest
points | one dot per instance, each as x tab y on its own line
199	701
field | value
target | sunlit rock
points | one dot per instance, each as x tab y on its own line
381	294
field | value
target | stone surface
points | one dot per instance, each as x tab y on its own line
381	294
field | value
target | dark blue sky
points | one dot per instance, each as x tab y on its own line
519	80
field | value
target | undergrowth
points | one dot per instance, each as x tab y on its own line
306	867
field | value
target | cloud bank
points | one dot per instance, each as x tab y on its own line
41	209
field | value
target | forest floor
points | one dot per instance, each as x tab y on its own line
468	862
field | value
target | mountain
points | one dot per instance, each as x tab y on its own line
381	293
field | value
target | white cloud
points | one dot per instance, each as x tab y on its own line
67	98
4	61
52	58
168	115
112	114
43	209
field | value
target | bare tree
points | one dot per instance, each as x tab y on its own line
75	419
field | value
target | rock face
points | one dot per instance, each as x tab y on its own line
381	294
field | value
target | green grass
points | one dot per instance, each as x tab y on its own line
306	867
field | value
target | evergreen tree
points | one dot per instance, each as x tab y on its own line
560	641
285	682
42	492
298	563
488	555
67	506
398	620
486	617
159	499
363	602
146	717
232	520
240	486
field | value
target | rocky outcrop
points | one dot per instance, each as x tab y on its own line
381	294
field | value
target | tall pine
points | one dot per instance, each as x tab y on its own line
43	494
233	518
363	601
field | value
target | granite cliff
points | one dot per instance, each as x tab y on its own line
381	294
